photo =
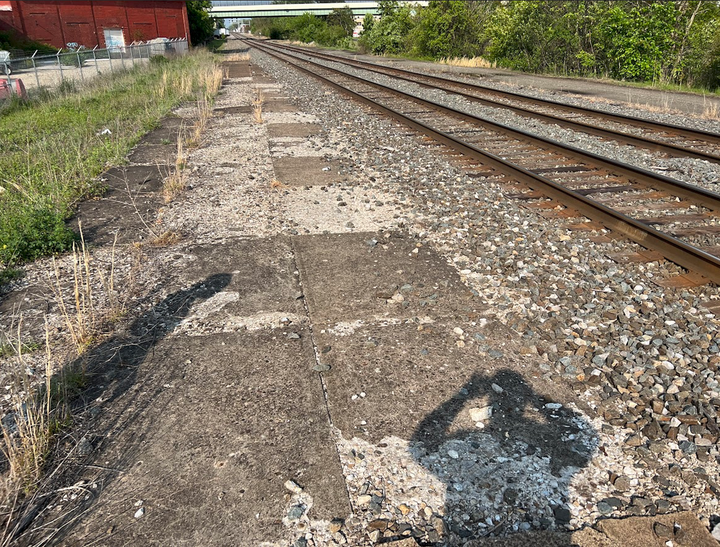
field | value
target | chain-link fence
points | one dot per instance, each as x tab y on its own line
80	64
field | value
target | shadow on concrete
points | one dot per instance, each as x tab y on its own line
520	462
111	372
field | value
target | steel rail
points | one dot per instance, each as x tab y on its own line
677	188
673	249
620	118
406	75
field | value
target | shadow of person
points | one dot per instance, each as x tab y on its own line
110	370
506	456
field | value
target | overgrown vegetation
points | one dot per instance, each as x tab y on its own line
633	40
335	30
54	146
666	43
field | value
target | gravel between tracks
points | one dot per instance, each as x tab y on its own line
645	358
689	170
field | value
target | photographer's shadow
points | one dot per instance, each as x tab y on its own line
506	456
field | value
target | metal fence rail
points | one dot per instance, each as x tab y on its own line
80	64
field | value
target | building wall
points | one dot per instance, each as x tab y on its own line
59	22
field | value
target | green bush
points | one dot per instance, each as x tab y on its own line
33	232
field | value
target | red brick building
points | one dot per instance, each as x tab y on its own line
95	22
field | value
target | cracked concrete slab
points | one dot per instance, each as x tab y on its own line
307	170
207	431
298	130
263	284
370	276
385	379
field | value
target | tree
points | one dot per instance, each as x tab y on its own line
201	25
343	18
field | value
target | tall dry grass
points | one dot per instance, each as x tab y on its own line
469	62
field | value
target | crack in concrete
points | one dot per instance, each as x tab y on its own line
316	353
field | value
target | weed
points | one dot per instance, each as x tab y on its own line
237	57
83	321
257	106
9	275
275	184
175	182
8	349
165	239
38	416
712	111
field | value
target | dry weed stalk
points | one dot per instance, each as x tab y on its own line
275	184
238	57
175	182
165	239
257	106
39	414
81	322
712	111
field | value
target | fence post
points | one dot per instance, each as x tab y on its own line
80	63
62	79
95	59
37	78
109	52
122	57
132	53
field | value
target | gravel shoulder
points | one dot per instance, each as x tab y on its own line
375	345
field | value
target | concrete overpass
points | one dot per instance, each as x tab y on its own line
240	11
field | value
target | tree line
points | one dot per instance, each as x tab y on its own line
634	40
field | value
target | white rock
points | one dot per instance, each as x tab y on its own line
453	454
480	414
140	513
294	487
496	388
553	406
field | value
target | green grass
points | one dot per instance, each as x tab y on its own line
52	147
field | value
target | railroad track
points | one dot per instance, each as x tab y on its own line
558	175
672	140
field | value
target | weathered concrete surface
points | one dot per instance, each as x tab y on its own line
307	171
128	207
204	439
263	279
298	130
406	371
368	276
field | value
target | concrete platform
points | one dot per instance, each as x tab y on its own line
370	276
207	434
